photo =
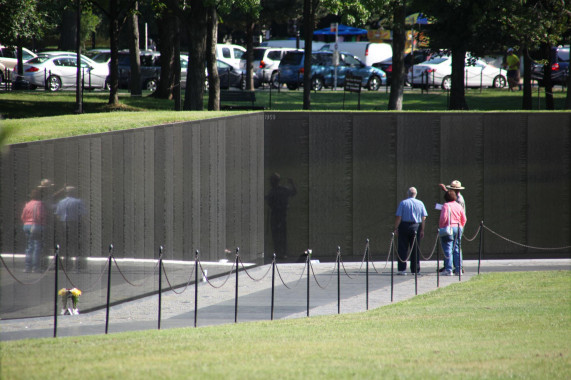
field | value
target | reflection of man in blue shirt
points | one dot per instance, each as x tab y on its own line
410	218
69	212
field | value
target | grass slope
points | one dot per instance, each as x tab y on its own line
496	326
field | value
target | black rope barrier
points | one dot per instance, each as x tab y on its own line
274	267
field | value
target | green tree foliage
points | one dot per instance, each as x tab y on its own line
21	20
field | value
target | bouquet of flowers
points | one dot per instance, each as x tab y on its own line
67	294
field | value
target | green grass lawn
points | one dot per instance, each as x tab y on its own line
496	326
40	115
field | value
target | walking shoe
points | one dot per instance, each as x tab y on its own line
446	273
401	273
442	269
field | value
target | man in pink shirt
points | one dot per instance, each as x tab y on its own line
452	214
33	217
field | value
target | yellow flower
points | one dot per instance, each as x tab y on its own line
75	292
62	292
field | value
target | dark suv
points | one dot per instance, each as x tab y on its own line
150	69
559	67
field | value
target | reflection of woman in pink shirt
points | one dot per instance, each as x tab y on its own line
452	213
33	217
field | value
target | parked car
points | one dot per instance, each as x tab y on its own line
230	54
231	77
559	67
266	63
323	71
150	69
59	71
368	52
437	72
9	60
99	55
418	56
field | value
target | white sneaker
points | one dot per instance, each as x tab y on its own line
401	273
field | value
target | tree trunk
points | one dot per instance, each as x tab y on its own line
250	55
197	32
568	97
549	104
309	7
526	101
399	37
134	53
213	77
114	47
68	30
169	45
457	96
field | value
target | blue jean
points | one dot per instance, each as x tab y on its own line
33	234
451	246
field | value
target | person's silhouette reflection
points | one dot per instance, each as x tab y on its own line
278	201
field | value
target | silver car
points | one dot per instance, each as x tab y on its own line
265	62
59	71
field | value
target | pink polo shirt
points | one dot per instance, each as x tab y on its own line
33	213
457	215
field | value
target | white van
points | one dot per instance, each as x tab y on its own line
315	45
230	54
368	52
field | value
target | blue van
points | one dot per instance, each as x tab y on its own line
323	71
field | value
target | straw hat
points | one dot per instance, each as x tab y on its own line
455	185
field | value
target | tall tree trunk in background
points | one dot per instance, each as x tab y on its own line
547	82
196	21
526	101
213	77
68	30
568	97
134	53
114	46
399	39
457	96
169	46
250	25
309	7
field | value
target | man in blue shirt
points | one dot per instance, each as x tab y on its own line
410	219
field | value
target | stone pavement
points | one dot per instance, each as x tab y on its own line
216	300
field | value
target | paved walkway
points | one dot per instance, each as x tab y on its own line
217	305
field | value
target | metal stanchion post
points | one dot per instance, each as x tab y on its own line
273	277
481	244
367	275
438	262
56	289
416	259
338	280
236	292
108	288
392	269
195	286
160	282
308	253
